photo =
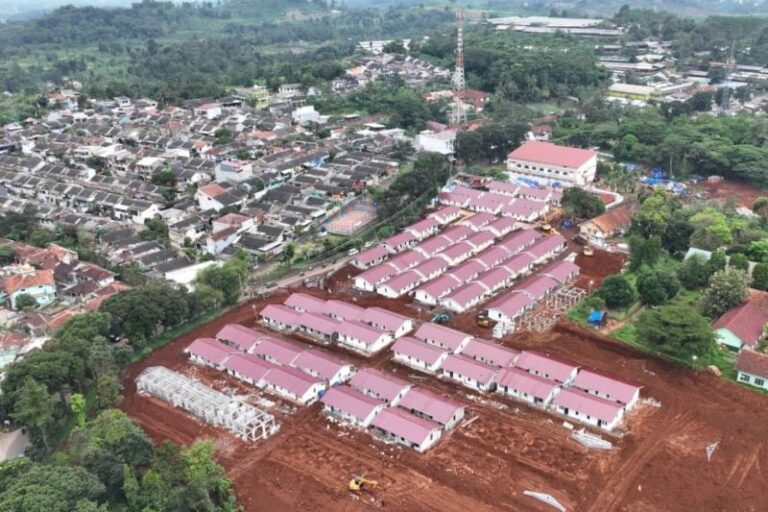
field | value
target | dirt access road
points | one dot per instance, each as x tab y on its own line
659	465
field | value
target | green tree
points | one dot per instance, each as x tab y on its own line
758	251
678	330
45	488
207	485
78	407
25	302
644	251
693	273
7	254
760	276
617	292
582	204
739	261
657	287
653	216
676	236
33	407
717	261
107	390
727	289
289	251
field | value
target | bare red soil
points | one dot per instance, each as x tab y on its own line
743	193
659	465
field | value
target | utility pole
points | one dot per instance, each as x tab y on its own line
458	113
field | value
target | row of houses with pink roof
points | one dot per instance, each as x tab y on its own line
584	395
528	293
287	369
364	330
496	203
393	408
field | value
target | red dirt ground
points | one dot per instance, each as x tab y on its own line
660	465
745	194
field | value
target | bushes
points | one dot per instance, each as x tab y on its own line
617	292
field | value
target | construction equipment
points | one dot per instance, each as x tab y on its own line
483	320
546	227
360	483
442	317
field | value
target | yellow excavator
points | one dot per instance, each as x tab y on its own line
360	483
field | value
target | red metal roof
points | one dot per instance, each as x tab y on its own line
562	271
406	260
378	274
513	304
373	254
402	282
552	154
746	321
457	233
320	323
752	362
440	286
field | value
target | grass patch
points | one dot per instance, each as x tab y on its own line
628	334
162	339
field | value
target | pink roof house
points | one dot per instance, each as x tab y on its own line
431	268
432	246
538	286
380	385
279	317
509	307
481	240
423	228
525	386
323	365
322	328
441	336
209	351
293	384
341	310
446	214
418	354
439	287
519	240
431	406
400	242
304	303
457	253
407	429
371	257
277	351
489	353
586	408
362	337
389	321
561	271
478	220
351	406
607	388
239	336
399	285
369	279
248	368
465	297
406	260
469	372
546	367
468	270
457	233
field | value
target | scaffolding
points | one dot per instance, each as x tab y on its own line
244	420
565	298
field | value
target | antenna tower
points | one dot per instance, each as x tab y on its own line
458	112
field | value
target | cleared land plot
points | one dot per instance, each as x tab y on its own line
487	464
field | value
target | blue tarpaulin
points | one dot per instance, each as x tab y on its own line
596	317
658	172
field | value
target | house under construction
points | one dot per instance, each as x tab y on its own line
244	420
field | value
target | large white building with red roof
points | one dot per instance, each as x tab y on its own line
547	163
